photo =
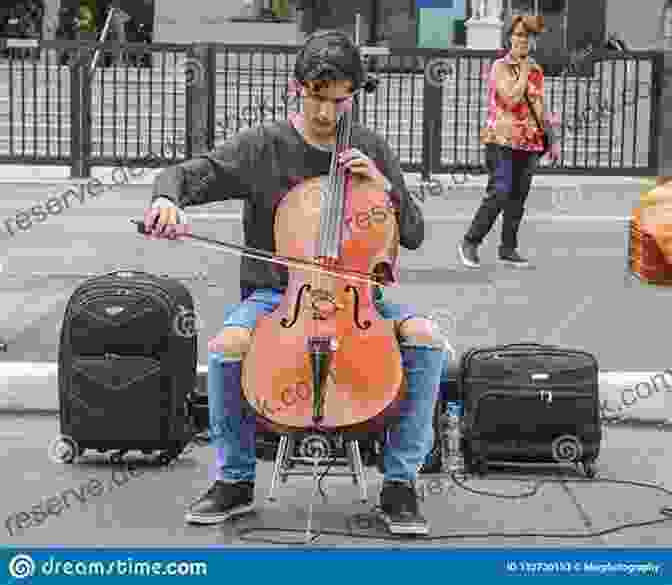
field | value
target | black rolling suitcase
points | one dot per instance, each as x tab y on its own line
127	365
530	403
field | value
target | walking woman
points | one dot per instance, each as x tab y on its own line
514	142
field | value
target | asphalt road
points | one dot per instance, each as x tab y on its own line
577	295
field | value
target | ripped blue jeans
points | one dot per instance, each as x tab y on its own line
233	425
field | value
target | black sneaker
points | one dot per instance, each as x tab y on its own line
399	509
469	254
221	502
512	258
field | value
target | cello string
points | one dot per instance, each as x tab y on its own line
346	194
339	207
337	194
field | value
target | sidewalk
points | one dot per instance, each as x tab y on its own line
96	238
136	503
93	501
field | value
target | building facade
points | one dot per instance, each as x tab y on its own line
571	24
638	23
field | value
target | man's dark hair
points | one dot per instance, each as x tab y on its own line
330	55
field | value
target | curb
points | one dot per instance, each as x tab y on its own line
33	387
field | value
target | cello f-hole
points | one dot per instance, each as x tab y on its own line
297	308
355	293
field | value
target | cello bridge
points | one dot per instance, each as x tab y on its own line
324	303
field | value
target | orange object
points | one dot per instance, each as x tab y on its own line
325	359
650	254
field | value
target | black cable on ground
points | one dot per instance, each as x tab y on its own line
372	520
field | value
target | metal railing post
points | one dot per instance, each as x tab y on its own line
80	115
660	133
200	96
432	125
76	74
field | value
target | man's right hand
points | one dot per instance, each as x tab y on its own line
165	220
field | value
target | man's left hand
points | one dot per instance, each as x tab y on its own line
363	167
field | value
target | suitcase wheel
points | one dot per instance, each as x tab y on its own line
167	456
65	450
163	459
117	457
478	466
589	468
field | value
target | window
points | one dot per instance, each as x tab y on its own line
274	10
537	6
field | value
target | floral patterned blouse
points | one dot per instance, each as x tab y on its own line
513	125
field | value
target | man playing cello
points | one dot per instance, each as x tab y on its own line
260	165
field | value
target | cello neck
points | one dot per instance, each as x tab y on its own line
332	211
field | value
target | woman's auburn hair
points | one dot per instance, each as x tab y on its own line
533	24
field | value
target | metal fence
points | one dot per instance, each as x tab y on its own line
154	100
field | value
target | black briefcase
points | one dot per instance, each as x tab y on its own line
127	365
530	403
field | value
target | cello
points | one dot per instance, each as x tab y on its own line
325	359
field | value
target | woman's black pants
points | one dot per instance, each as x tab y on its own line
510	174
